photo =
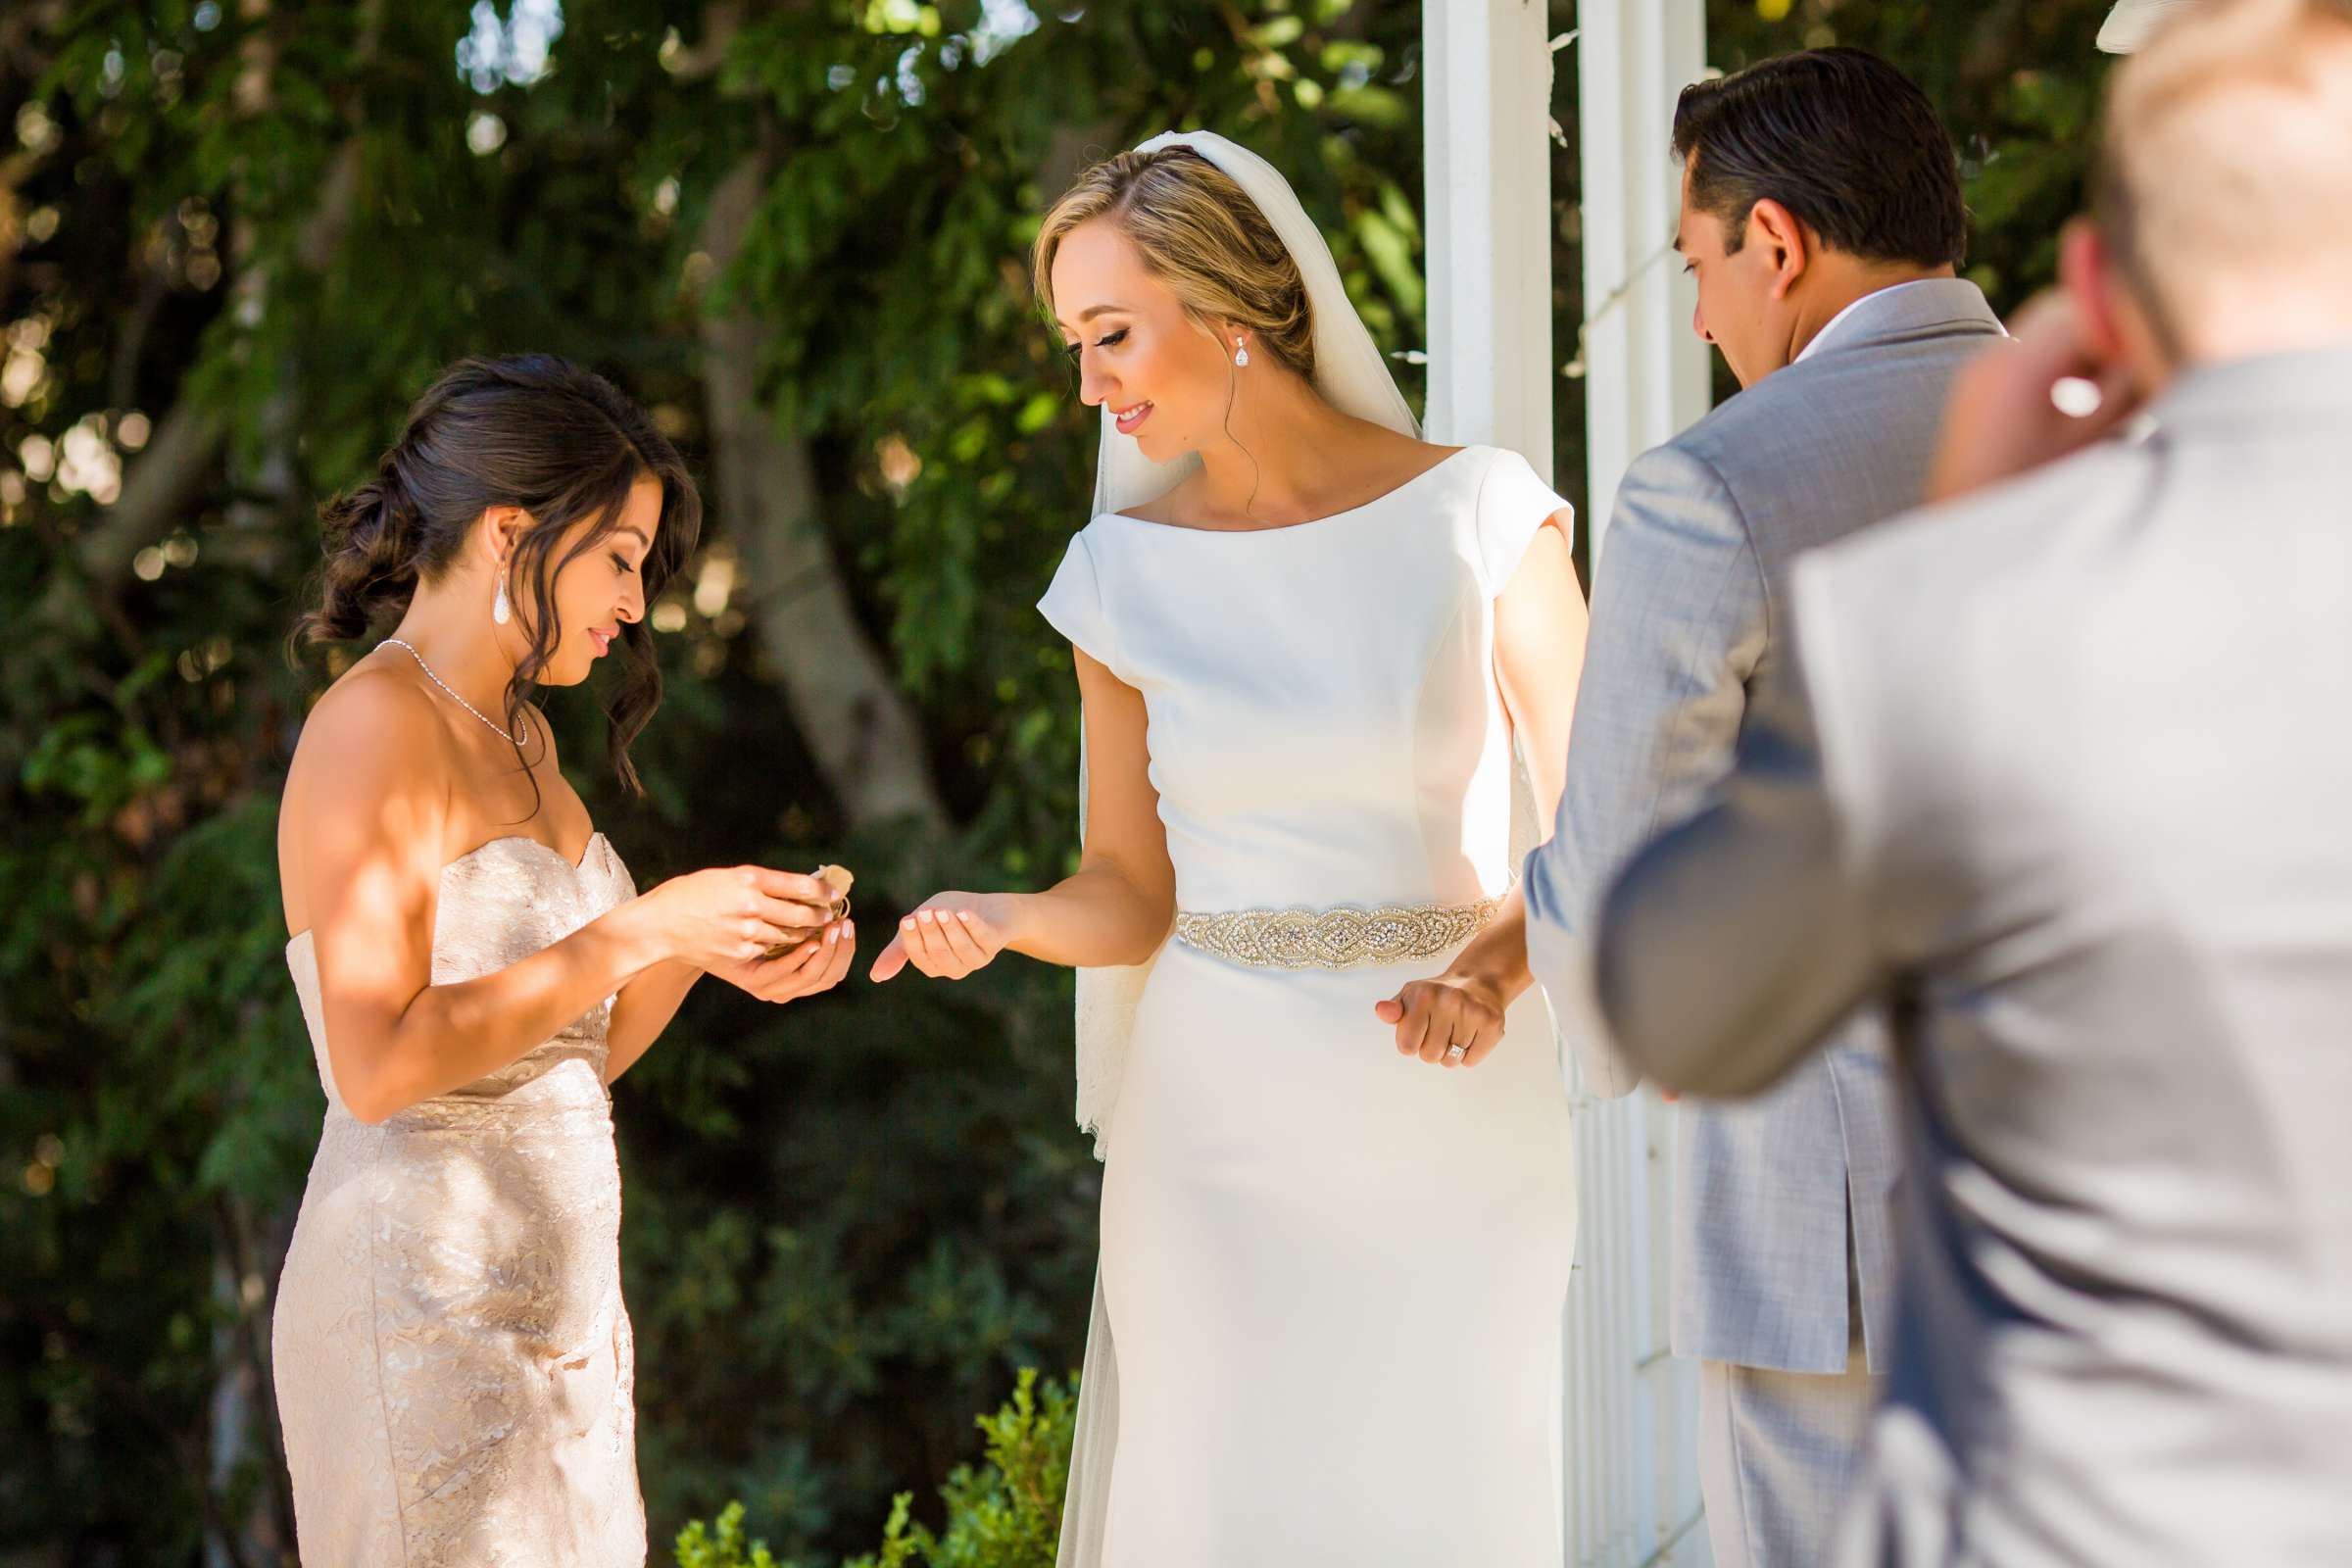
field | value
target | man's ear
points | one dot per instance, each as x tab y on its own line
2087	271
1778	236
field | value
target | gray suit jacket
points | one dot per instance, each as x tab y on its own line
2066	772
1686	606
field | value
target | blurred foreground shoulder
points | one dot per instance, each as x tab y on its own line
2014	528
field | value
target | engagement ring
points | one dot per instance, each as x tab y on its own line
837	882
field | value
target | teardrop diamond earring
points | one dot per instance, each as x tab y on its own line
500	611
1241	351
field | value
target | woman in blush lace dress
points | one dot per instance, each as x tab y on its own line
1338	1202
475	967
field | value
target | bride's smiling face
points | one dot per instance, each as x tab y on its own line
1165	376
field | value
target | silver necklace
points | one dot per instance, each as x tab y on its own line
522	732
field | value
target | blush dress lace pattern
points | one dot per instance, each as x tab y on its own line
1332	1277
452	1356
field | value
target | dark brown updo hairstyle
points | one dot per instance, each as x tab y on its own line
538	433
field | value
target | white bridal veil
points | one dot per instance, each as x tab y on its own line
1351	377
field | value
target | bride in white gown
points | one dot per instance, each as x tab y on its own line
1337	1209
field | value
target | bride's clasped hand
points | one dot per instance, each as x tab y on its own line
1460	1010
954	935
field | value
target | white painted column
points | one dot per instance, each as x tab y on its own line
1634	1503
1487	73
1647	372
1629	1461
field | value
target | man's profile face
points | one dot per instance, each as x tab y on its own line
1736	310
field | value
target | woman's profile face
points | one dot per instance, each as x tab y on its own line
598	593
1166	379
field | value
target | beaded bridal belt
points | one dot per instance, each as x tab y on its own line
1335	939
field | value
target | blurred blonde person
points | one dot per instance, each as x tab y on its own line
2061	769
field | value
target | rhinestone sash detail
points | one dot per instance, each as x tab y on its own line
1335	939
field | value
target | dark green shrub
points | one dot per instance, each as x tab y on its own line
698	1547
1004	1514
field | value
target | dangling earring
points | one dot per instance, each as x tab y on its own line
500	611
1241	351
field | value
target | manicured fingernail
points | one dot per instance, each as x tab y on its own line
848	930
832	935
927	916
906	924
966	915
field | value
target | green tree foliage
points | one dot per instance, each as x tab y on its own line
236	236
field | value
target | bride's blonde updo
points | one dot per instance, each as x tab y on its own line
1199	233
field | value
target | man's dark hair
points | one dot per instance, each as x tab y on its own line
1839	137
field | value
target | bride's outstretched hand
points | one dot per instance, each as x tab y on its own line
1434	1016
817	964
952	935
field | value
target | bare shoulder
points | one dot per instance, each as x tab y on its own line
1422	454
374	733
1396	454
373	701
372	770
1171	506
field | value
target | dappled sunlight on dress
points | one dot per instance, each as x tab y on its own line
1334	1274
452	1356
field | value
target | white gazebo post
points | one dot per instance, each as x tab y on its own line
1487	66
1632	1483
1646	379
1647	372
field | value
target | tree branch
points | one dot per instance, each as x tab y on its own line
861	731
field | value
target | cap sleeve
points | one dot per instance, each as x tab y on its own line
1512	504
1073	604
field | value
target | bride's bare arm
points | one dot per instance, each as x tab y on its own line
1118	907
1540	625
1114	910
364	837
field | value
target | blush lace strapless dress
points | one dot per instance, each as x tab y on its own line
452	1356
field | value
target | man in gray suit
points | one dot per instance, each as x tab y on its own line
2063	770
1822	217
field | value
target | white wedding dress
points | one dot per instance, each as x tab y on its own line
1333	1276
